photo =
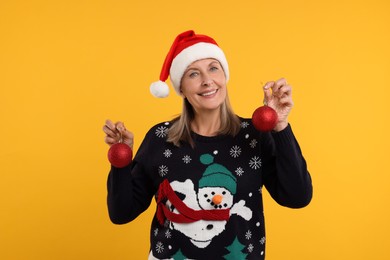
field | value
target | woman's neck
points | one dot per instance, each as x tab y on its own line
206	123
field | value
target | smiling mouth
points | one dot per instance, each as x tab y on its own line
209	93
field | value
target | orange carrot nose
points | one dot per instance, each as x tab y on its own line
217	199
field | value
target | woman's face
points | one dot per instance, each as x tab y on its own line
204	85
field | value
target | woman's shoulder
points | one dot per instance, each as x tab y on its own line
156	136
159	130
246	123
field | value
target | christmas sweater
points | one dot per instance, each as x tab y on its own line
209	197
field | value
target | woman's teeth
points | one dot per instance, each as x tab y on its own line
209	93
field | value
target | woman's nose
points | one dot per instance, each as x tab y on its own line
207	81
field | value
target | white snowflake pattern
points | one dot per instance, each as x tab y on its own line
235	151
162	170
239	171
167	153
162	131
244	124
250	248
155	232
253	143
168	234
255	163
159	247
248	235
262	240
186	159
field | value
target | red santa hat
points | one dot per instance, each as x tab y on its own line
187	48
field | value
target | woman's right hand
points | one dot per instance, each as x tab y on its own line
116	133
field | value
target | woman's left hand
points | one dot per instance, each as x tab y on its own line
277	94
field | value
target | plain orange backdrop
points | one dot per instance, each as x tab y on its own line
66	66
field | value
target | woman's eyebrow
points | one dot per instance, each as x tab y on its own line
190	68
213	62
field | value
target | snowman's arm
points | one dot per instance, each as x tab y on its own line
241	210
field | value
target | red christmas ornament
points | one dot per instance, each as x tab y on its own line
264	118
120	155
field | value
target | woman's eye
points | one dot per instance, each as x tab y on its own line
214	68
193	74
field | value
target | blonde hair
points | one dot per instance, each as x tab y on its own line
180	130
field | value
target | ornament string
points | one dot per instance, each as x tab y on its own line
120	137
264	101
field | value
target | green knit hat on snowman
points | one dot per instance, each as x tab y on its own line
217	175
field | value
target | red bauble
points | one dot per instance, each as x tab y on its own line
264	118
120	155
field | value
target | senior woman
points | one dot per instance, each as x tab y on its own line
207	167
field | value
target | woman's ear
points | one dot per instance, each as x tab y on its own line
181	93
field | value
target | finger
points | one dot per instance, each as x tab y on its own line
120	127
110	125
110	141
284	90
110	128
268	85
280	82
108	131
267	91
112	133
128	135
286	101
128	138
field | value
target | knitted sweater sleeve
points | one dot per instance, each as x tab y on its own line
130	189
285	171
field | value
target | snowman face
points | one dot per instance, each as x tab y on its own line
215	198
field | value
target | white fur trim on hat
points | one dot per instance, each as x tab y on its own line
159	89
193	53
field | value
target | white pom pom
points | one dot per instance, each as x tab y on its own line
159	89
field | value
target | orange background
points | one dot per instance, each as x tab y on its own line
66	66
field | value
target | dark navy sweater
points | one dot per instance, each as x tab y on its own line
219	174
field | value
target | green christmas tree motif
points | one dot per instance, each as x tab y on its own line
235	250
179	256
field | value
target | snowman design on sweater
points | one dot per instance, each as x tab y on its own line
203	214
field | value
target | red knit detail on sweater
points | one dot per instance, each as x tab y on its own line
186	214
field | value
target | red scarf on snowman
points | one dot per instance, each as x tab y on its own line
186	214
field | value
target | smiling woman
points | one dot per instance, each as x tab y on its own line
194	166
204	84
205	99
204	87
